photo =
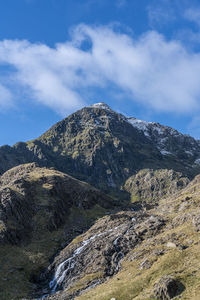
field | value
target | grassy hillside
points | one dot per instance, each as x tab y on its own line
175	251
41	211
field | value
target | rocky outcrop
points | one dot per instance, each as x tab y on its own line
166	288
98	253
163	264
30	195
148	186
41	211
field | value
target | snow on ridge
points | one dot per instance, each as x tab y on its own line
143	125
139	124
156	132
101	105
160	129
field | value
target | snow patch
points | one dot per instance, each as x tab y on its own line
164	152
197	161
159	129
139	124
189	152
101	105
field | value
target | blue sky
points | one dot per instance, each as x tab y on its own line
141	57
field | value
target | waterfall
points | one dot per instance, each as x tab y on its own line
68	265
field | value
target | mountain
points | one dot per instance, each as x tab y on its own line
101	206
41	210
105	148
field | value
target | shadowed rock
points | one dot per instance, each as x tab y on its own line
166	288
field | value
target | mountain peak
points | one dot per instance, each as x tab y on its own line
101	105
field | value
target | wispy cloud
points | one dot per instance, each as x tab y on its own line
161	13
121	3
157	73
6	97
193	14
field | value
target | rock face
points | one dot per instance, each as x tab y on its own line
105	148
168	140
41	210
98	253
148	186
122	255
162	264
31	196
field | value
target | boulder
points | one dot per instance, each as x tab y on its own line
166	288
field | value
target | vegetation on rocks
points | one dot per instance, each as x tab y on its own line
40	211
65	239
143	268
148	186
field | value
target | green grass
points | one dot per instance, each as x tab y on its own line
34	256
184	265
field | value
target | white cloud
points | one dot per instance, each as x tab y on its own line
157	73
162	13
159	15
5	97
193	14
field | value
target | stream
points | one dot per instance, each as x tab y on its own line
68	265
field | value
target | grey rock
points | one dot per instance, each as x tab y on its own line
166	288
103	249
196	222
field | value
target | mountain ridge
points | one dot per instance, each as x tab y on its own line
104	148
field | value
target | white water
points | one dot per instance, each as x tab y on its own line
66	266
115	241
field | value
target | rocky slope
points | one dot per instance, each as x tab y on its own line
41	210
149	186
105	148
96	256
168	140
134	255
147	249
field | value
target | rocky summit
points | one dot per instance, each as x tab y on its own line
101	206
105	148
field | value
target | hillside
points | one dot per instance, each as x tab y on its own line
41	210
135	254
105	148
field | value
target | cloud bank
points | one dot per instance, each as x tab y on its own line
151	70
